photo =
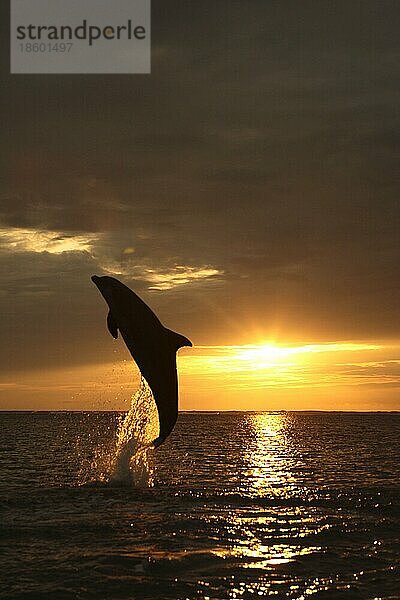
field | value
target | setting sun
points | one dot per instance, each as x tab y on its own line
267	355
293	377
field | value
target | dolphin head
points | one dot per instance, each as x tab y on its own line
110	288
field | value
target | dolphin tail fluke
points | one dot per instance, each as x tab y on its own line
178	340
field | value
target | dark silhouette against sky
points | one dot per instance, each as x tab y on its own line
152	346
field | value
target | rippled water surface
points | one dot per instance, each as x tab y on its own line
233	505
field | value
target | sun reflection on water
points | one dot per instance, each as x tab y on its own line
264	539
268	456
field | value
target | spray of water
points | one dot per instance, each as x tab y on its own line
136	430
124	459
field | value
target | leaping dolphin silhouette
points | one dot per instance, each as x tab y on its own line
152	346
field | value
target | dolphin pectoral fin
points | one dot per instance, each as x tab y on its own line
178	340
112	326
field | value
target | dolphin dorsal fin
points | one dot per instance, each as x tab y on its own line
177	340
112	326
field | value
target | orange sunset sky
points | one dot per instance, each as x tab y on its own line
247	190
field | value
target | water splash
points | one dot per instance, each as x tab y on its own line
125	458
136	431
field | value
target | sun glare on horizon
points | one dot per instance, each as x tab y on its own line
278	376
266	355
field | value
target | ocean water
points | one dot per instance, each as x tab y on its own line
233	505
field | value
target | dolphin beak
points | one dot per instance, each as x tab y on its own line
95	279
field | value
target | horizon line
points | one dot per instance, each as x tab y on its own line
61	410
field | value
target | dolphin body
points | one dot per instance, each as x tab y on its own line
152	346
